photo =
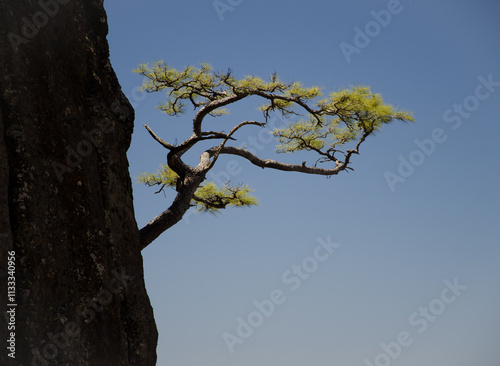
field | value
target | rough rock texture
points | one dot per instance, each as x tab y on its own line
65	193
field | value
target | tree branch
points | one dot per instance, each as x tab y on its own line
166	145
174	213
315	113
273	164
214	134
356	149
219	205
212	106
223	143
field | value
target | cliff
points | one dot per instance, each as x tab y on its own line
66	211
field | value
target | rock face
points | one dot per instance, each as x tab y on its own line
66	205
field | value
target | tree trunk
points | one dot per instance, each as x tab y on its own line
66	210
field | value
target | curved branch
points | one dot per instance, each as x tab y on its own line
223	143
356	149
216	104
165	144
273	164
212	106
187	144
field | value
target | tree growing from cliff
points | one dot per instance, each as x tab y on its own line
332	127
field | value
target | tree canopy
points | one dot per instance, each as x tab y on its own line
332	127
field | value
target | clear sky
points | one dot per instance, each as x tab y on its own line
409	272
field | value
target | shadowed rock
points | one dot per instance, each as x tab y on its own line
65	193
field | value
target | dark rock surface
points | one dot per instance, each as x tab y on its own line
65	193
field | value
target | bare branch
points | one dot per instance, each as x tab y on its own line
273	164
166	145
217	135
233	131
356	149
210	107
179	150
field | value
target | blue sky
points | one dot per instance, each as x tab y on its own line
415	226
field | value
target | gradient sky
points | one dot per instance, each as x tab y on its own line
396	247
